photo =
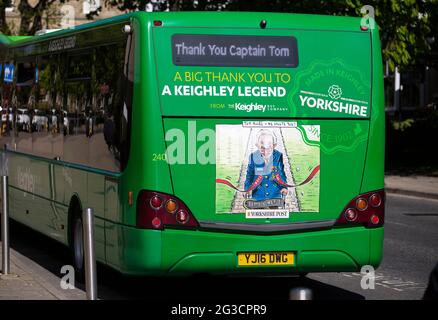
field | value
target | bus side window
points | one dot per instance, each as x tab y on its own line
3	111
7	112
24	101
77	103
105	152
3	115
46	119
128	82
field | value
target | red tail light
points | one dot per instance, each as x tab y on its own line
375	200
358	212
152	214
156	202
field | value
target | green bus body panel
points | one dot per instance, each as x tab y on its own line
351	151
344	249
232	20
373	176
376	247
147	135
324	59
41	192
340	175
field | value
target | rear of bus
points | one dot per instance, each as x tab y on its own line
262	145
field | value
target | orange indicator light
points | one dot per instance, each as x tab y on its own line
361	204
171	206
130	198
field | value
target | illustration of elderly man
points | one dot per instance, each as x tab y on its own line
266	162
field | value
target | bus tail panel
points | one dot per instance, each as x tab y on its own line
345	249
266	129
271	73
232	173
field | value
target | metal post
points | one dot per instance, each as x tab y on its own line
397	92
5	227
300	294
90	261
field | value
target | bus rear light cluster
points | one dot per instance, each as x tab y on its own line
157	210
367	209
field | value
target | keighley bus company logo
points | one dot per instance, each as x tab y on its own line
256	107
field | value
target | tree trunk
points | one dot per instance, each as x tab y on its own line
32	14
3	25
26	12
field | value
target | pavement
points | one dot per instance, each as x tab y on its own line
28	280
419	186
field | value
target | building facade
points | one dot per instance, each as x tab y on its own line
62	15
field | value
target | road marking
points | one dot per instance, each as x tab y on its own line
389	282
410	196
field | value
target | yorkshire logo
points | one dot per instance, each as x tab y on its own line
335	91
331	86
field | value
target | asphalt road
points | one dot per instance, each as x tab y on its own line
410	253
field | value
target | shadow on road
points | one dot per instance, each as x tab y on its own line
112	285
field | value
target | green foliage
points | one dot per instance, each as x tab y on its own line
405	26
402	125
172	5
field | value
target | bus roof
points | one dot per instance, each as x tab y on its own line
222	19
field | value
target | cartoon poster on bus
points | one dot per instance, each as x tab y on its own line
267	169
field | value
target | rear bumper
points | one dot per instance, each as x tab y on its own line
149	252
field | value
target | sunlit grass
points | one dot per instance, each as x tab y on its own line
303	158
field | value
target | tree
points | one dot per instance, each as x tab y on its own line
406	27
32	16
3	25
172	5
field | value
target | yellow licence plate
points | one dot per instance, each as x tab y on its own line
265	258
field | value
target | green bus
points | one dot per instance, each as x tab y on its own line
225	143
